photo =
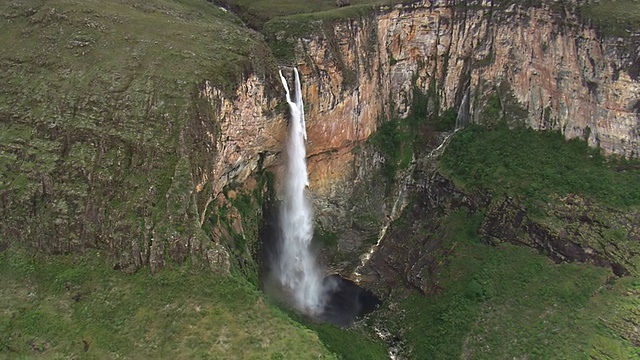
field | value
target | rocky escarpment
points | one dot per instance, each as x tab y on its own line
541	65
408	254
119	138
575	229
101	155
566	229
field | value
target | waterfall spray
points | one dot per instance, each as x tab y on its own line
298	270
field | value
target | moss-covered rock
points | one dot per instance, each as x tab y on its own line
98	111
573	229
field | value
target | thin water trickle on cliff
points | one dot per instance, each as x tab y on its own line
298	270
462	119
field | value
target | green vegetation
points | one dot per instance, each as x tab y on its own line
506	301
76	306
257	12
289	20
500	108
103	124
446	121
235	221
538	165
399	139
283	33
246	241
613	17
347	344
103	130
328	239
492	112
394	140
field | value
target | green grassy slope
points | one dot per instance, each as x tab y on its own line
101	125
613	17
507	301
537	165
257	12
77	307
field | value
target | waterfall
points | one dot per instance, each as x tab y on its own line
463	111
298	271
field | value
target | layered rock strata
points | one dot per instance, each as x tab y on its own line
561	73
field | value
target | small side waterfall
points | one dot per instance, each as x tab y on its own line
463	111
298	270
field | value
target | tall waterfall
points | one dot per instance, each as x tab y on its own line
298	270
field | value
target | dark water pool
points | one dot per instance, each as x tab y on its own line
346	301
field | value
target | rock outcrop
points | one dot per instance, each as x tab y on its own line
574	229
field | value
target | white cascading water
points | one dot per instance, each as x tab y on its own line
463	112
298	270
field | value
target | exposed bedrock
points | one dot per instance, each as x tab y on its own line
545	66
357	73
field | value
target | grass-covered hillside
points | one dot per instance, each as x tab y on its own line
77	307
101	125
257	12
509	302
497	293
613	17
536	165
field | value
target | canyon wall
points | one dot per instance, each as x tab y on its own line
545	66
100	161
116	139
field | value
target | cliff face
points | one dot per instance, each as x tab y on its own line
109	131
543	65
239	135
83	136
565	75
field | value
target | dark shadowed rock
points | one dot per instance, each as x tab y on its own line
346	301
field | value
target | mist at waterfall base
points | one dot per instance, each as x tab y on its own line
291	271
